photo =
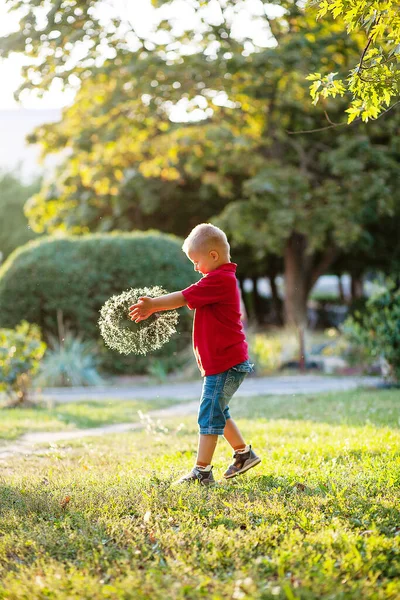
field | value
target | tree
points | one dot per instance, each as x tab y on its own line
14	227
374	81
377	248
130	165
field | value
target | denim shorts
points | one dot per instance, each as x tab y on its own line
217	391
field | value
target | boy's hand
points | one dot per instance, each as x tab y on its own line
141	310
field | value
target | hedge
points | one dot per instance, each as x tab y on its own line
77	274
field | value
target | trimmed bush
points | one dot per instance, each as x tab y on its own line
77	274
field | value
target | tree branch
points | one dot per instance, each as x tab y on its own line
384	62
320	128
327	259
360	66
340	124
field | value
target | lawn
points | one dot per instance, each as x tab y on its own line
76	415
318	519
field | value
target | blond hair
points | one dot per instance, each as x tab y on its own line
206	237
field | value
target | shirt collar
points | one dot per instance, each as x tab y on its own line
226	267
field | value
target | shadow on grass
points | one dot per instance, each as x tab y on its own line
48	526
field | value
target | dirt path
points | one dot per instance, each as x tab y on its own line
29	442
252	386
32	443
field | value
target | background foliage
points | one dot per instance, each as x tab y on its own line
192	123
14	226
374	81
238	151
21	350
76	275
69	361
377	329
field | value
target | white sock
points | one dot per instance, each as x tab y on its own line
243	451
206	469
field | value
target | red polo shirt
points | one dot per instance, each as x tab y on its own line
219	341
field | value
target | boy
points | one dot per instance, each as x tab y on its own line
219	345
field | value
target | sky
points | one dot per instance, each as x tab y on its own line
19	119
10	77
142	14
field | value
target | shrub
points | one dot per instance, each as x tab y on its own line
266	352
20	352
76	275
338	345
376	330
68	363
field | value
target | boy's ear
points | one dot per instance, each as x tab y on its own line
214	255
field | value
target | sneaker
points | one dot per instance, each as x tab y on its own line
243	462
198	476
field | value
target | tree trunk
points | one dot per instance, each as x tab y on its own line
257	302
302	350
341	289
276	300
357	286
301	273
296	293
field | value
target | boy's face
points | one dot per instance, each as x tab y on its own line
204	262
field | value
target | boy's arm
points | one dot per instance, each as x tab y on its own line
147	306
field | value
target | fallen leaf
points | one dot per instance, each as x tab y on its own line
300	486
152	537
64	502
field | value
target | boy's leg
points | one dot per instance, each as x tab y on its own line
211	422
233	435
202	471
211	418
206	448
244	457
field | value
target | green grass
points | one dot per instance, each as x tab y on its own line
318	519
76	415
